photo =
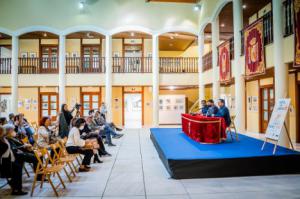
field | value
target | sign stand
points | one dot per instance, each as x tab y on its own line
276	141
277	122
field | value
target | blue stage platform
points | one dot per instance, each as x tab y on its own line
185	158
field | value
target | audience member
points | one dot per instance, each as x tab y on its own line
11	118
10	167
75	145
3	121
46	136
64	121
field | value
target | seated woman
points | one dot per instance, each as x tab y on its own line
46	137
10	167
19	128
75	145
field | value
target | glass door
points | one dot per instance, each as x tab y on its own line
91	55
49	59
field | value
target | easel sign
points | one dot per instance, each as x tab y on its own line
276	122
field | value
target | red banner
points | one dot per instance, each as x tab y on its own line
224	62
254	49
297	32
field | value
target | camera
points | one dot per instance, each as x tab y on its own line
77	106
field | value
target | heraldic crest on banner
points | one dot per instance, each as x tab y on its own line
254	49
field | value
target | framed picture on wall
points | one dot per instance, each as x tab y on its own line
24	54
32	55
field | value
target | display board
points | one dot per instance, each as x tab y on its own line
170	108
278	116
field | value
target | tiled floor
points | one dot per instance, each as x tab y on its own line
136	172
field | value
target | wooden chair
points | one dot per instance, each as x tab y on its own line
59	157
232	127
46	170
77	156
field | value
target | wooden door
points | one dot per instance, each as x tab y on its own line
49	59
49	105
267	104
90	58
89	100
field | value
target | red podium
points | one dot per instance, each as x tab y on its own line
209	130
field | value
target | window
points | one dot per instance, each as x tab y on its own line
49	58
49	105
90	100
91	55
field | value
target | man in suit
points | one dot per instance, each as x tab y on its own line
204	107
223	112
212	108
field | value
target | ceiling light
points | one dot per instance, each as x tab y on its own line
45	34
171	87
176	34
222	25
197	7
170	44
81	4
244	6
89	35
171	37
132	34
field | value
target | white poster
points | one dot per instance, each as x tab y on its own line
277	118
170	108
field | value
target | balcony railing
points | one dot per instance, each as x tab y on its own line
207	62
288	17
178	64
85	65
38	65
5	65
132	64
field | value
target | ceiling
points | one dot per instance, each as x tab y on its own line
226	17
4	36
85	35
131	35
39	35
174	1
178	41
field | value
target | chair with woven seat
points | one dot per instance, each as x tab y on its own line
46	169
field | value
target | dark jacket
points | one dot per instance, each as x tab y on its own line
204	110
213	110
224	112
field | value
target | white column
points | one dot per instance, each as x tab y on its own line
14	74
280	69
200	66
62	70
215	43
155	80
108	76
239	78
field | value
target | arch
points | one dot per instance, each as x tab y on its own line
218	9
6	31
131	28
177	29
84	28
28	29
204	23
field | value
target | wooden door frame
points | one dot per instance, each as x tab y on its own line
40	102
99	46
41	46
89	93
297	106
123	104
261	87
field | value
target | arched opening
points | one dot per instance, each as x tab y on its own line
85	52
5	53
38	52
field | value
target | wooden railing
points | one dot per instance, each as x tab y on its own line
178	64
5	65
207	62
288	17
132	64
38	65
85	65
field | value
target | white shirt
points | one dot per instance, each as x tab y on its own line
74	138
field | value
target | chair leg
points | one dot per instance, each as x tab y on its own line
61	181
71	168
42	181
26	171
51	183
67	174
33	185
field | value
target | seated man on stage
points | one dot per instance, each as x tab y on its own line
212	108
204	107
223	112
